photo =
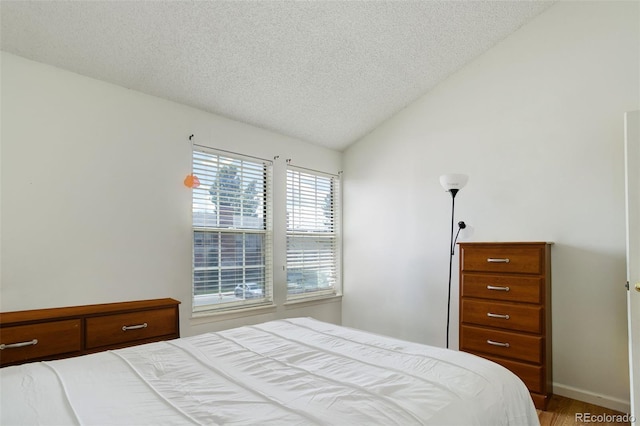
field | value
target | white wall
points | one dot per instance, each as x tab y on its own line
93	206
537	123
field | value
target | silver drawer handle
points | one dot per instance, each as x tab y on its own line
497	260
504	345
497	288
490	315
134	327
18	345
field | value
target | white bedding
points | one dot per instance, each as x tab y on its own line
296	371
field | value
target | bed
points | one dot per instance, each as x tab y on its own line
295	371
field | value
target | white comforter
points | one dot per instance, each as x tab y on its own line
295	371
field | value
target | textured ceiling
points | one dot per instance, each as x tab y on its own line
325	72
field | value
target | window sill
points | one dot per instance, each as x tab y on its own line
211	316
301	303
204	317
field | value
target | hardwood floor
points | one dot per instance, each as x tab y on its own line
563	411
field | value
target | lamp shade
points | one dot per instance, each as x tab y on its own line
453	181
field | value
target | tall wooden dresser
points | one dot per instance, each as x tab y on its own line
505	309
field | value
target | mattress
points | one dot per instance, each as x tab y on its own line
287	372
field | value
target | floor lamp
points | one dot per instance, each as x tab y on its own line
452	183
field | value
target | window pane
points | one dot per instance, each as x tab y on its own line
255	275
231	192
310	203
241	261
206	281
231	278
206	249
231	249
254	250
310	263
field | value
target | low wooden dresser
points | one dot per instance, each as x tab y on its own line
505	309
45	334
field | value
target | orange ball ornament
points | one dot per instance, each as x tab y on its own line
191	181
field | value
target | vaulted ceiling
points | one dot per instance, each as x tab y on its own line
327	72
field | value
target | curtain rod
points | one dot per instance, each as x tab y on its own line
314	170
234	153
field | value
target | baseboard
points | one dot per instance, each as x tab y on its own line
621	405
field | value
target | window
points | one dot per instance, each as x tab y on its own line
312	237
231	232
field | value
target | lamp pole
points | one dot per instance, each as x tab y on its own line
452	183
453	209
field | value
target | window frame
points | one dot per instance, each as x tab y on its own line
200	157
334	236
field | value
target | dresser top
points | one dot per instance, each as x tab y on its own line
13	318
511	243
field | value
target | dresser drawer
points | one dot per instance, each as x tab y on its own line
502	343
507	288
130	327
531	375
502	315
524	260
41	340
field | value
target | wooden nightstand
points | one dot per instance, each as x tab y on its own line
505	309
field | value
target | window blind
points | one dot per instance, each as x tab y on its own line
232	257
312	238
